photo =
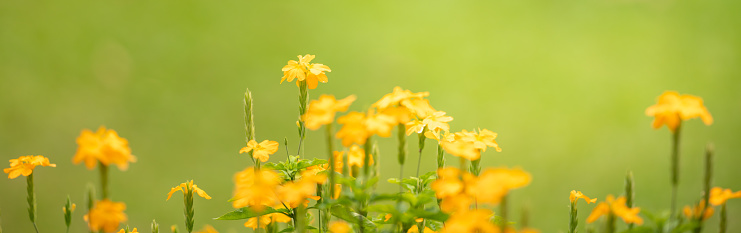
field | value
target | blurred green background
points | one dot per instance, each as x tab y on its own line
564	83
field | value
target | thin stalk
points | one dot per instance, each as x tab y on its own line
675	169
421	147
189	211
629	194
303	99
104	179
440	156
610	223
401	158
31	201
723	219
707	182
330	153
366	159
503	212
573	219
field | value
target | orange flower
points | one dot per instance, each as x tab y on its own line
296	193
208	229
493	184
379	123
473	221
255	188
261	151
322	111
353	129
339	227
448	182
673	108
24	165
719	196
461	148
302	70
104	146
132	231
575	195
696	211
356	156
481	140
106	215
617	207
184	187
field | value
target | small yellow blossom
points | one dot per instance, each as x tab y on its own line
414	229
473	221
296	193
184	187
575	195
694	212
261	151
448	182
379	124
208	229
71	208
255	188
481	140
24	165
106	215
356	156
104	146
312	73
461	148
456	203
132	231
719	196
493	184
353	129
339	227
673	108
322	111
617	207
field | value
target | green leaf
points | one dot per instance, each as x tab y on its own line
429	214
245	213
351	216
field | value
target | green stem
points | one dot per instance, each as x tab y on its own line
629	194
723	219
610	223
31	201
503	212
104	179
421	147
366	159
330	150
573	219
189	211
675	169
440	156
303	99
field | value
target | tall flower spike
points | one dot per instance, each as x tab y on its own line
188	189
672	108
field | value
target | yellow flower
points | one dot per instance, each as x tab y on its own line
493	184
207	229
414	229
132	231
672	108
322	111
106	215
399	114
473	221
719	196
481	140
396	97
461	148
303	70
24	165
379	123
456	203
261	151
252	222
575	195
694	212
434	123
104	146
339	227
617	207
353	129
356	157
184	187
255	188
448	182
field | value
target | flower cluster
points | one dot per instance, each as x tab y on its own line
24	165
103	146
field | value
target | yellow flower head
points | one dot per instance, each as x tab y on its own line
448	182
208	229
379	124
184	187
396	98
673	108
339	227
322	111
255	188
493	184
132	231
434	123
353	129
356	156
461	148
473	221
24	165
481	140
261	151
617	207
414	229
719	196
696	211
104	146
106	215
575	195
296	193
312	73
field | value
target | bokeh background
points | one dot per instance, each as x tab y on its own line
564	83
